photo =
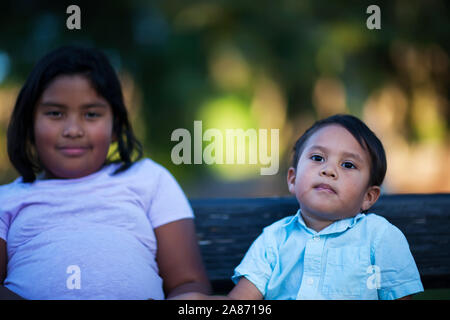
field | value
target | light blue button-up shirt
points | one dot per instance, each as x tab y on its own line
364	257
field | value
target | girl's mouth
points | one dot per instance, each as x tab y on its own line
73	151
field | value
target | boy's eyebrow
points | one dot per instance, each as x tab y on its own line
352	155
345	153
317	147
63	106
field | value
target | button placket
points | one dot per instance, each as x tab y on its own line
312	267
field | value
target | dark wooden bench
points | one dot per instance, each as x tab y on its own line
227	227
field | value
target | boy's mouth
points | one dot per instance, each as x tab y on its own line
325	187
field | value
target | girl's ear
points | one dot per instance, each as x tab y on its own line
291	179
371	196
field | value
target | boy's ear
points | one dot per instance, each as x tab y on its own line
372	195
291	179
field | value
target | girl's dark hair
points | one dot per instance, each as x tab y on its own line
365	137
67	60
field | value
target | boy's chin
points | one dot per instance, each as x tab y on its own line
326	214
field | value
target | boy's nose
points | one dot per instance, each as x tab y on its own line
328	171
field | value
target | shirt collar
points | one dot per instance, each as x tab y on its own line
335	227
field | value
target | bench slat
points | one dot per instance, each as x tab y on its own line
227	227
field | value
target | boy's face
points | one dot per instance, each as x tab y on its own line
331	178
72	128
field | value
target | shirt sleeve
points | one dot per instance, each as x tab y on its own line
256	266
399	276
5	217
4	225
169	202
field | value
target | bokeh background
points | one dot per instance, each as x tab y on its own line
256	64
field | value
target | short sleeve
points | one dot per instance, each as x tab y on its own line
169	203
4	225
5	216
256	266
399	276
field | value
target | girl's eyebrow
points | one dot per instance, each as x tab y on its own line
63	106
345	154
52	104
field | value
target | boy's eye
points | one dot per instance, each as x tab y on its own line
348	165
316	157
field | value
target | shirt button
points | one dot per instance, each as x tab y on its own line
310	281
316	238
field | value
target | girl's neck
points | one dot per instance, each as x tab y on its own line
48	175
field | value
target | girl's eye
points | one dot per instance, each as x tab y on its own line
91	115
53	114
348	165
316	157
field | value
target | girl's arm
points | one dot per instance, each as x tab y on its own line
5	293
179	259
244	290
3	256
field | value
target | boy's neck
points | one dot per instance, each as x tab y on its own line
315	223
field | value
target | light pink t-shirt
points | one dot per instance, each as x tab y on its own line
92	237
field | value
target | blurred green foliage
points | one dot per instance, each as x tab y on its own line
173	51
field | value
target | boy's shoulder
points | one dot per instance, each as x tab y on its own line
372	225
281	223
376	220
380	231
378	223
372	221
279	227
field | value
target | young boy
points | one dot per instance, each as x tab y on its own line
331	249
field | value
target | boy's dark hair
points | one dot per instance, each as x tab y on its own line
365	137
67	60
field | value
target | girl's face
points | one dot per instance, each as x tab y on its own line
72	128
332	176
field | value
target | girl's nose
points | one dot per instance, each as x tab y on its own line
72	129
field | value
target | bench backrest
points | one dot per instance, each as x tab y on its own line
227	227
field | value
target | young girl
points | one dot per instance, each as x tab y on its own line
331	249
77	225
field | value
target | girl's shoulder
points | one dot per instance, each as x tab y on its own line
145	171
147	163
145	167
12	186
13	190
